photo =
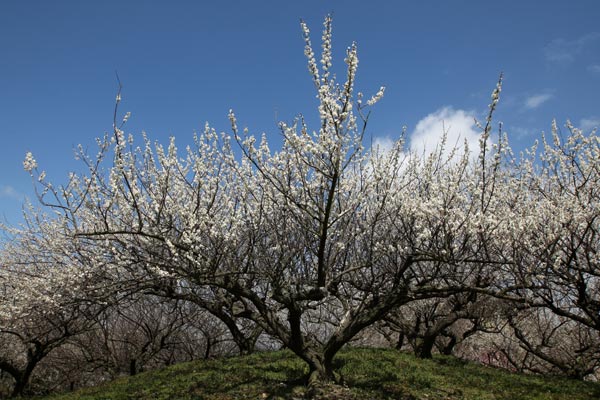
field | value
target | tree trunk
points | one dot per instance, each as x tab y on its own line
208	347
425	347
320	371
22	377
132	367
245	343
400	341
21	381
246	347
19	387
449	348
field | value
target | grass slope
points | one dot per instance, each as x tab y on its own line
367	374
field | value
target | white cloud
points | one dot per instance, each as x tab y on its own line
10	192
562	51
520	132
383	144
537	100
459	126
587	124
594	68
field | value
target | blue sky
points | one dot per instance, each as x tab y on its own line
183	63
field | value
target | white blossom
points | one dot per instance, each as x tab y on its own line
29	164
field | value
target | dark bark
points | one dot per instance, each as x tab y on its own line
132	367
208	347
448	349
319	357
22	376
570	370
400	341
425	346
222	310
320	370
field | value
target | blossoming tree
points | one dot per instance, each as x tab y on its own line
311	243
47	296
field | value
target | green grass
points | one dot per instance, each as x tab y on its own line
366	374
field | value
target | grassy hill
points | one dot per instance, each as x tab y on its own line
367	374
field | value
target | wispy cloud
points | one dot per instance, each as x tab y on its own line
519	132
458	125
587	124
594	68
564	52
537	100
10	192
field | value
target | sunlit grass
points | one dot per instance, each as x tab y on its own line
365	374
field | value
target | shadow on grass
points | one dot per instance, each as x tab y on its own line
255	376
385	373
